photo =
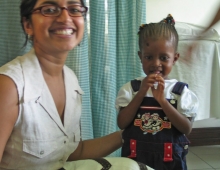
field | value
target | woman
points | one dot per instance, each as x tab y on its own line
40	98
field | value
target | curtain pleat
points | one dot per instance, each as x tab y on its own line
130	16
114	61
78	61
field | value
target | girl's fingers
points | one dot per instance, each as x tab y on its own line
155	85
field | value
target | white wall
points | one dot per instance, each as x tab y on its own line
198	12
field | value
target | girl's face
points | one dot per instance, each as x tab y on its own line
55	34
158	57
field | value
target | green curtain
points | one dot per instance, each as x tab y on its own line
105	59
11	34
113	56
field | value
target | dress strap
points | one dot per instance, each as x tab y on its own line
142	166
135	84
105	164
178	87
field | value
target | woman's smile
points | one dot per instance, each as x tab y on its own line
63	32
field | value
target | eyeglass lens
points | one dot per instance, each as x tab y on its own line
73	10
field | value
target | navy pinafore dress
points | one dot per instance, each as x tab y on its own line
151	139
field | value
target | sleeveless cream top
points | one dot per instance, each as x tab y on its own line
39	140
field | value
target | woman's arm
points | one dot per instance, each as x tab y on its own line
194	45
215	19
8	110
98	147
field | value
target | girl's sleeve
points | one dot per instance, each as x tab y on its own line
188	103
124	97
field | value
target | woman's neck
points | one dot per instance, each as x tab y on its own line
51	63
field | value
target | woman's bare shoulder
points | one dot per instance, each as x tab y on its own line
8	90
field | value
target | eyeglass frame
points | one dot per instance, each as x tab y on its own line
61	8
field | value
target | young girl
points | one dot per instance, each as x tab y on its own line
157	112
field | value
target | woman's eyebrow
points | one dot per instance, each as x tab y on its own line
55	3
73	2
48	2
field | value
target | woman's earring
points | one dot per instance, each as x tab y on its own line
30	37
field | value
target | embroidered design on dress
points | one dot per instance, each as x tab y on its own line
152	123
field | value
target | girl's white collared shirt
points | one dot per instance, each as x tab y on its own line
187	105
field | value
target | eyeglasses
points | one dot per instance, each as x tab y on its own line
55	11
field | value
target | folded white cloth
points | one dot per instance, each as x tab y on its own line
201	69
189	31
118	163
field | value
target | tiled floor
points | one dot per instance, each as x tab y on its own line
204	158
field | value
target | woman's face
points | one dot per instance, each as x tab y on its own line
55	34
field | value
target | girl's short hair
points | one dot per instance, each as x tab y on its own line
164	29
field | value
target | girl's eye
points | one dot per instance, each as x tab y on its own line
164	58
148	57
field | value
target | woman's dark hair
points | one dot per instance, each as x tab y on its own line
26	8
25	12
